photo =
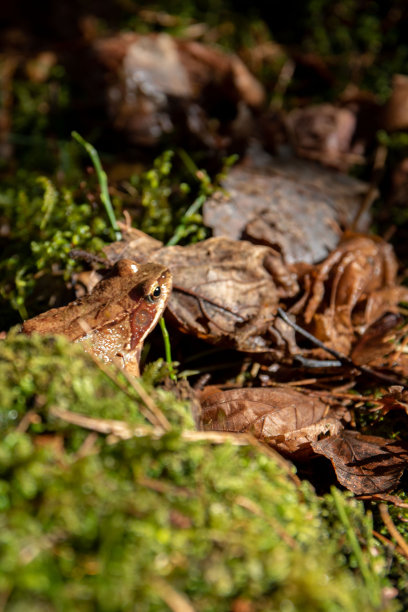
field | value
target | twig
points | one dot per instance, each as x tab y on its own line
124	431
159	417
103	181
372	193
153	414
120	429
339	356
391	499
387	520
176	601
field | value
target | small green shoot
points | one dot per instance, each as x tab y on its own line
367	573
183	229
103	181
167	349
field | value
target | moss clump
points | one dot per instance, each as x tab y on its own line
44	225
121	525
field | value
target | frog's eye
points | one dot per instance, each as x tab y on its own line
154	295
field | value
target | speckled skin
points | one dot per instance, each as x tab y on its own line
115	318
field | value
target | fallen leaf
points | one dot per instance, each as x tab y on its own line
285	418
364	464
353	287
378	341
294	208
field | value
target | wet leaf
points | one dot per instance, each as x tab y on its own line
364	464
287	419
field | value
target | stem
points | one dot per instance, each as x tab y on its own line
103	181
167	349
191	210
369	578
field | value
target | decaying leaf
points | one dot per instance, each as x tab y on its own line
287	419
349	290
364	464
296	208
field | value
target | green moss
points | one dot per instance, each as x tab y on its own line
44	225
123	522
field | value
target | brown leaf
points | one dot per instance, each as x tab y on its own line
287	419
395	399
349	290
291	207
364	464
376	344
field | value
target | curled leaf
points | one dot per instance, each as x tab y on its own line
366	465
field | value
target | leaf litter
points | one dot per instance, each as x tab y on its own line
284	239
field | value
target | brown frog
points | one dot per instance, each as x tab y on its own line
116	317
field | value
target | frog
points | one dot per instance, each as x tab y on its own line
113	320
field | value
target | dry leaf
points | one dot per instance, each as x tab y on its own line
287	419
377	347
365	465
350	290
291	207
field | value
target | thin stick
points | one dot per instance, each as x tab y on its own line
392	529
103	181
176	601
160	418
339	356
150	411
372	193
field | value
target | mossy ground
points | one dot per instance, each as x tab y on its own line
89	522
96	523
